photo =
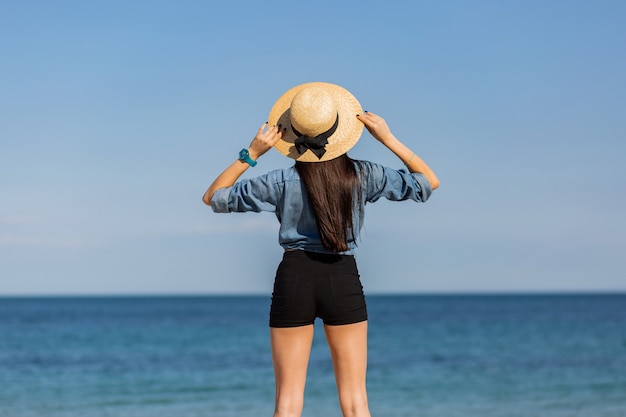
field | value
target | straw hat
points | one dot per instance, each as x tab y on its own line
320	119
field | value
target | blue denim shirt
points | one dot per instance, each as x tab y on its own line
282	192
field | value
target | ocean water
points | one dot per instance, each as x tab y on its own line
448	356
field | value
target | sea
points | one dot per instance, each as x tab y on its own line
546	355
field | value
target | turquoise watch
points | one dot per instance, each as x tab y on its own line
244	156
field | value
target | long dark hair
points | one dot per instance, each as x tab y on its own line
332	187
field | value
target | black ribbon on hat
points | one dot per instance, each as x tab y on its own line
316	144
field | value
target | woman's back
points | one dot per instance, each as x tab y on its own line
284	193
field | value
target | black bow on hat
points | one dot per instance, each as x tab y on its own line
316	144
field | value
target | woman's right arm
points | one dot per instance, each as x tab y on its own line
378	128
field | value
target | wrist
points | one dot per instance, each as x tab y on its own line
253	154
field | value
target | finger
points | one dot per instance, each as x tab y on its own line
273	138
280	133
373	117
277	136
268	131
272	135
363	118
368	117
261	129
367	120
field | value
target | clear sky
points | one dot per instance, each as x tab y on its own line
116	116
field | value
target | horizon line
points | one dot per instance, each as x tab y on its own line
374	294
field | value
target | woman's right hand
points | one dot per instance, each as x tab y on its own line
265	139
377	126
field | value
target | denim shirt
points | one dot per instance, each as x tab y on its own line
283	193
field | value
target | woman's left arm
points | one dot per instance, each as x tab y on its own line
378	128
264	140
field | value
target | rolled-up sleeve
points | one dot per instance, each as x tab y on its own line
255	194
395	185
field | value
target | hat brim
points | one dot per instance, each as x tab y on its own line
349	128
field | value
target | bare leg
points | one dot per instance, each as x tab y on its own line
291	348
348	347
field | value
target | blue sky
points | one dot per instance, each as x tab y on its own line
116	116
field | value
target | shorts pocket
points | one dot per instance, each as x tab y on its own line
347	291
285	292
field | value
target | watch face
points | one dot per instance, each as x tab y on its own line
244	156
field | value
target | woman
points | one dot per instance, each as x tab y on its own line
319	203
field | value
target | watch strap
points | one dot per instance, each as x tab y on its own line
244	156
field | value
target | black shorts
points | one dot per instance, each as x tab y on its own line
310	285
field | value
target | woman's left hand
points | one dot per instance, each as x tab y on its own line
377	126
265	139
